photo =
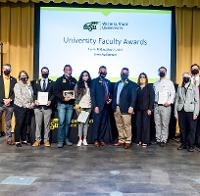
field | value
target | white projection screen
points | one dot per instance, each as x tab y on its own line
87	38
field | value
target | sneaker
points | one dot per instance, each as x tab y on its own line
85	142
68	143
79	143
36	143
60	145
47	144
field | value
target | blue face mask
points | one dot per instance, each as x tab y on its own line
124	77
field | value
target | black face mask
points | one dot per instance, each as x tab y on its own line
162	74
23	79
45	75
186	79
103	74
124	77
7	72
195	71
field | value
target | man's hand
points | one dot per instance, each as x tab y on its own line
149	112
130	110
167	104
6	102
37	103
48	103
96	110
195	117
67	98
108	101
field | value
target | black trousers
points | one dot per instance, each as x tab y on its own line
198	132
187	127
142	127
101	126
22	117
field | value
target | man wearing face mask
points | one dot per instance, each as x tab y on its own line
65	105
195	79
43	111
124	98
187	111
101	98
164	97
7	83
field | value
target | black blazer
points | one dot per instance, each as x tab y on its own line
127	96
98	93
13	81
37	88
145	98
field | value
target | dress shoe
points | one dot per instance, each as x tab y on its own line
47	144
162	144
97	144
25	142
144	145
181	147
36	143
18	144
190	149
102	144
127	145
10	142
118	144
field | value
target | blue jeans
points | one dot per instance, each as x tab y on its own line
65	112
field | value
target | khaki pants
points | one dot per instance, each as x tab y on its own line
123	122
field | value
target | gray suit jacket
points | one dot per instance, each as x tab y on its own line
188	101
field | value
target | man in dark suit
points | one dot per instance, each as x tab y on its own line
101	98
124	98
43	111
195	73
7	83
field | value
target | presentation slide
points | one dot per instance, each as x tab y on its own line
87	38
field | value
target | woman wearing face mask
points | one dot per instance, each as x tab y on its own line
23	104
144	108
187	111
83	103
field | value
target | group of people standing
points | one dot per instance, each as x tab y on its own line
96	97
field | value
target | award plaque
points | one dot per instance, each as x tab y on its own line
69	94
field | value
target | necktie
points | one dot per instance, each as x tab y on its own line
105	90
44	85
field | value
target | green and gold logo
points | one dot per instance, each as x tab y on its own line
90	25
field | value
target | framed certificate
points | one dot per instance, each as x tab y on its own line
69	94
43	98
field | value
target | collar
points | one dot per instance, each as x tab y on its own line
6	77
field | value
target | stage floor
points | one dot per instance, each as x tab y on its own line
96	172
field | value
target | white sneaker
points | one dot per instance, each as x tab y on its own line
79	143
85	142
